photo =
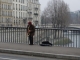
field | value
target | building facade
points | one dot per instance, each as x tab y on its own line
17	13
34	12
6	13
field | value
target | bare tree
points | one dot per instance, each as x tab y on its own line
44	17
58	12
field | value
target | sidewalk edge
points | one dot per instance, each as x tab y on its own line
40	54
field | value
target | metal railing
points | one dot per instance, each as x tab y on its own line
65	37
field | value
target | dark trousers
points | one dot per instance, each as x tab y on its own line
31	39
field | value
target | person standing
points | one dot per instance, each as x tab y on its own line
30	32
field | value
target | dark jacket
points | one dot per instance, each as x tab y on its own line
32	28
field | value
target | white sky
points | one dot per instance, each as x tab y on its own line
74	5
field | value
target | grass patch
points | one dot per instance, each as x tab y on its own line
64	41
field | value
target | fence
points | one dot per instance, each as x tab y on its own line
57	36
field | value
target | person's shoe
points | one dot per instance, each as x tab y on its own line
30	44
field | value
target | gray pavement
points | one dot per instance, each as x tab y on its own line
40	51
21	57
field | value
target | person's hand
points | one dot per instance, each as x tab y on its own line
29	31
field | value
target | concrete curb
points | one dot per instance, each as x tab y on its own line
40	54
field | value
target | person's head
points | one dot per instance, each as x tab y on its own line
29	23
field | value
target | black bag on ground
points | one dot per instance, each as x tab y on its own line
46	43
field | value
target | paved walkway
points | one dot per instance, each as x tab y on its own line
63	51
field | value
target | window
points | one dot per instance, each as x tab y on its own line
19	0
21	7
2	19
23	1
19	22
14	22
16	6
2	6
